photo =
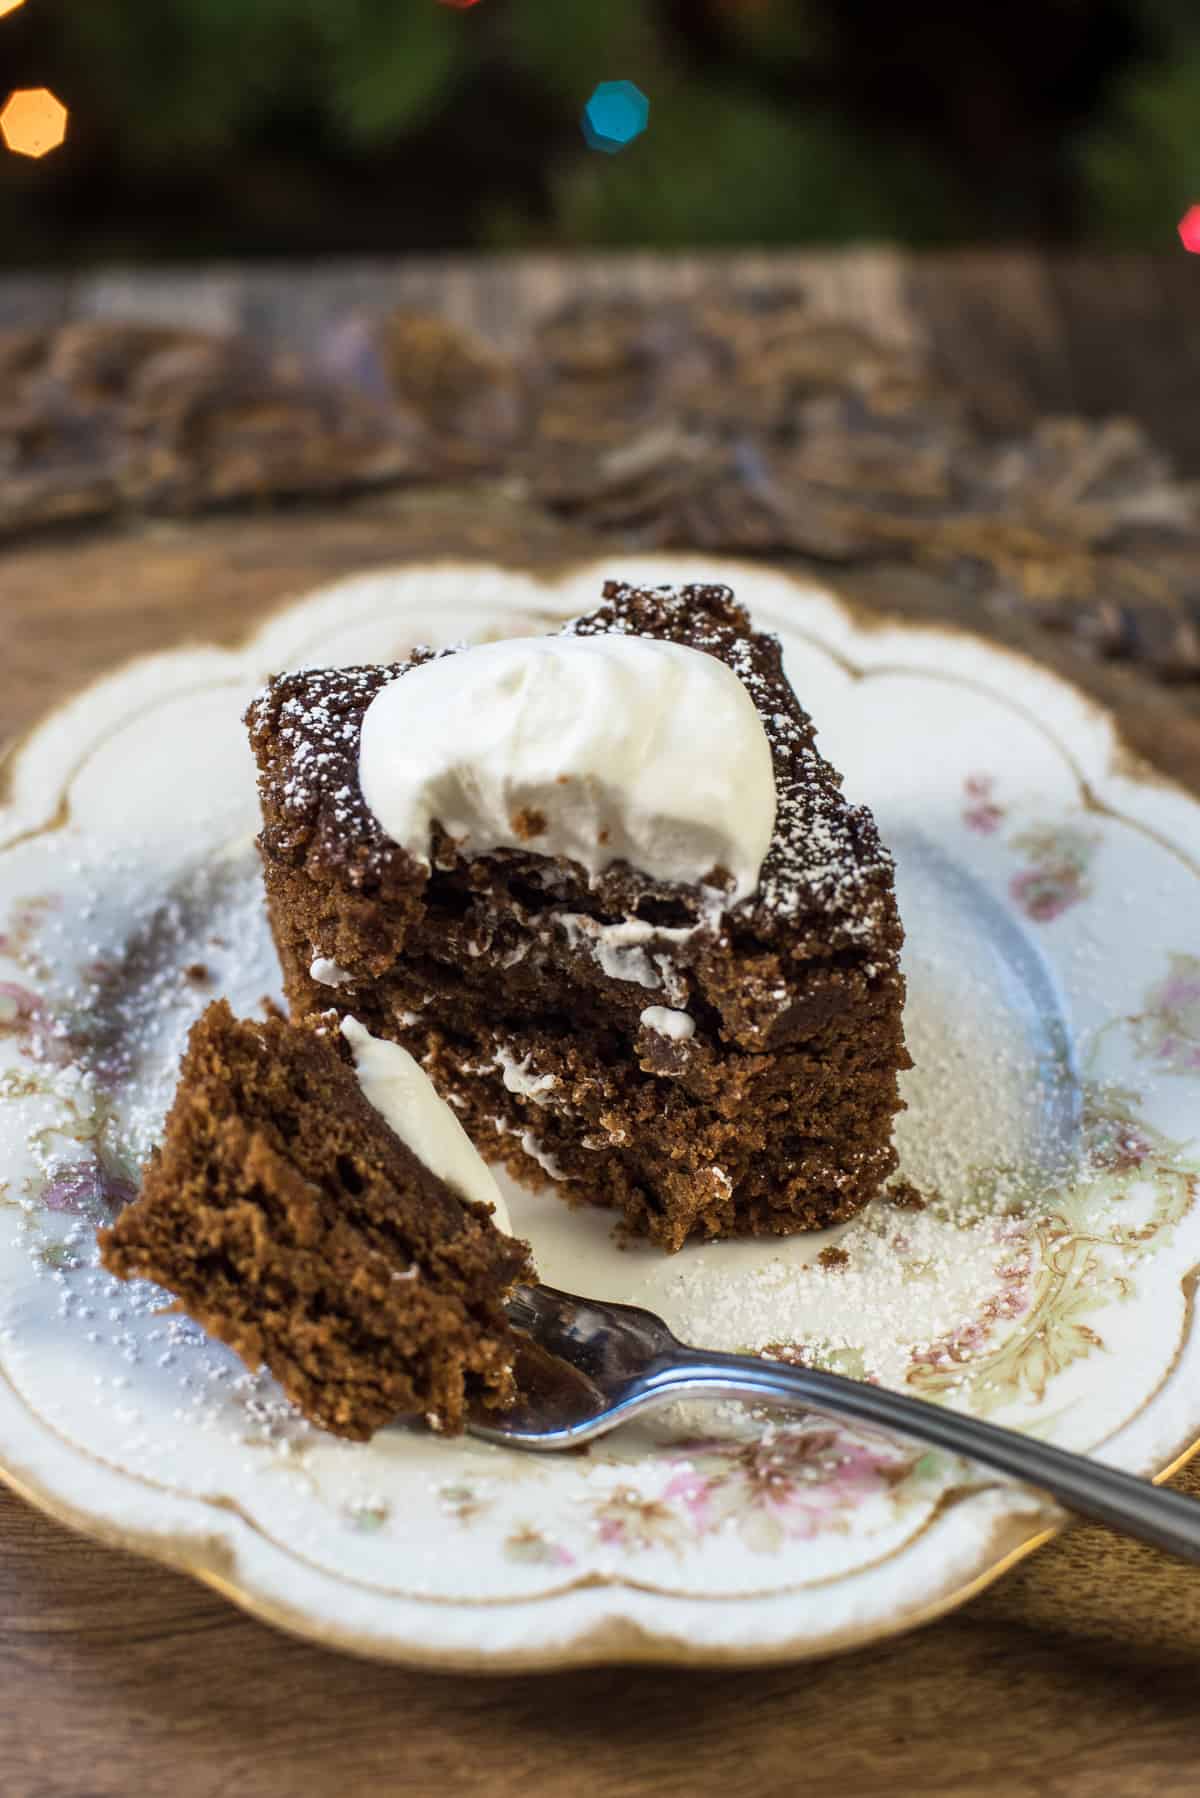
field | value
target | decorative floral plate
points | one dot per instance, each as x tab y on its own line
1037	1267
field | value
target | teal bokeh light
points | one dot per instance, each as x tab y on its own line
617	112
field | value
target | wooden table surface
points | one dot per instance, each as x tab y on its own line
1076	1675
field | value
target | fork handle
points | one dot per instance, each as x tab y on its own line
1170	1520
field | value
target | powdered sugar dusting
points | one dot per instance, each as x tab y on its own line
116	1017
987	1155
317	716
824	852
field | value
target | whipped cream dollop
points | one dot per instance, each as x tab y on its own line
680	1026
323	969
603	749
404	1096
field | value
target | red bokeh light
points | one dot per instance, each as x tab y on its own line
1189	230
459	5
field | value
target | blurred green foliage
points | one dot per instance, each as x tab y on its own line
727	168
277	124
1141	158
189	77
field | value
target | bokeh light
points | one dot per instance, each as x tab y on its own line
7	6
33	122
617	112
1189	230
458	5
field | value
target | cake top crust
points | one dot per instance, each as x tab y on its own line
825	856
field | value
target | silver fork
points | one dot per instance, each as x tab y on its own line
621	1362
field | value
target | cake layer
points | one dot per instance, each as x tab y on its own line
709	1066
291	1223
793	1144
549	946
684	1138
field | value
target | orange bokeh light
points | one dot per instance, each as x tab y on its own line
7	6
33	122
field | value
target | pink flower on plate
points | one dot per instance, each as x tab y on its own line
17	1004
786	1484
932	1364
1056	877
533	1549
88	1189
689	1488
981	812
1116	1139
629	1520
25	921
1168	1030
1043	894
23	1014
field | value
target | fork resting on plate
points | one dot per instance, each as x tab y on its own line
603	1364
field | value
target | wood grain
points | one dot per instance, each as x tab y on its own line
1023	332
1074	1678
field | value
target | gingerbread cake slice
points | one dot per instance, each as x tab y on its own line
362	1266
605	887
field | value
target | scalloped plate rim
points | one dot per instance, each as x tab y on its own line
599	1636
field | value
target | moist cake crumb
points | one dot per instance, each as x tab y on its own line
905	1196
288	1220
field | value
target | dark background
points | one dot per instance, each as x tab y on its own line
203	128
